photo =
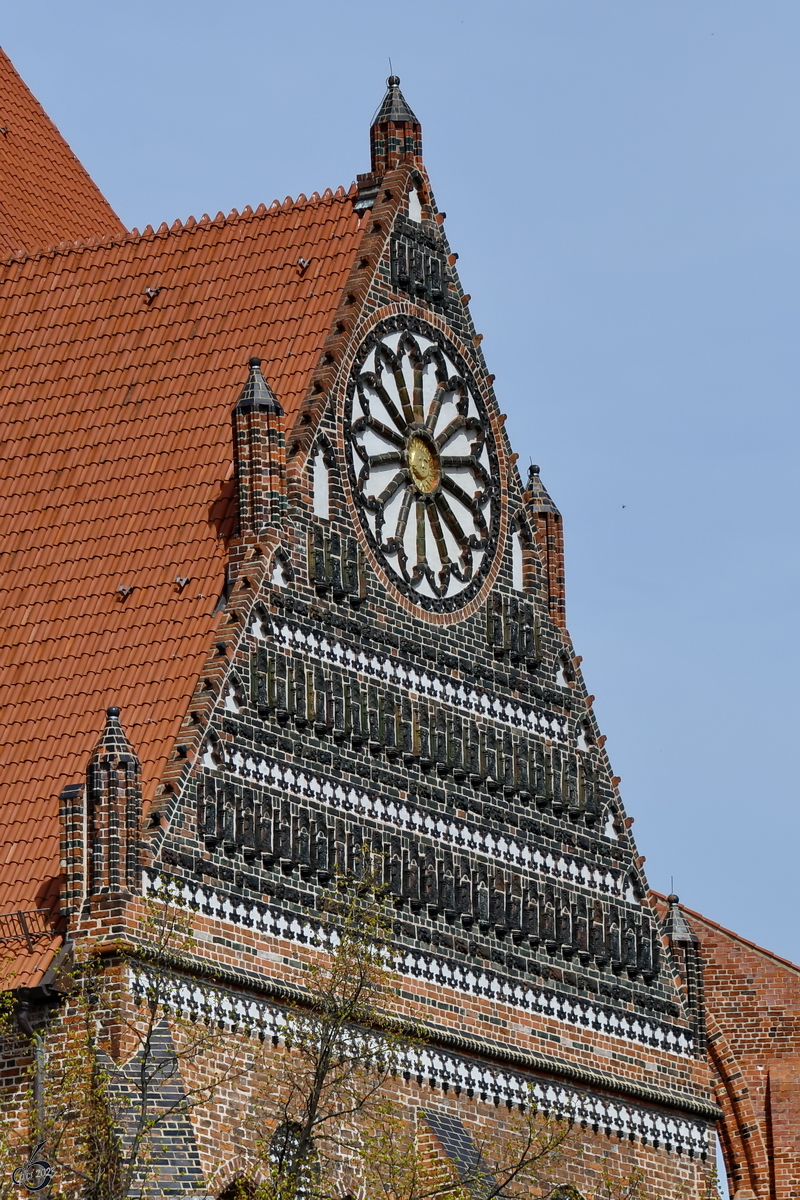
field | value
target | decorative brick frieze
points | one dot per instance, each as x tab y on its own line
470	698
433	1067
335	565
419	261
465	976
549	902
403	815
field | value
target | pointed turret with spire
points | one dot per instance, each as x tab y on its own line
395	134
685	946
259	455
114	804
100	822
549	534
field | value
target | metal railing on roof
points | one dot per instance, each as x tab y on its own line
27	925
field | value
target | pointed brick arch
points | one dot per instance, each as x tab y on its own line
753	1019
240	1188
739	1130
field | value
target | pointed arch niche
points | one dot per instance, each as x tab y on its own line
321	464
280	572
239	1189
521	543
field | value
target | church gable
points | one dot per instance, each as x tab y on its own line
359	655
417	695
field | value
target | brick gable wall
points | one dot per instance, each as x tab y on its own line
336	713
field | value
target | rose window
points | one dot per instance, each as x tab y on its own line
423	465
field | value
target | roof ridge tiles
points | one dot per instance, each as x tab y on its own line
133	235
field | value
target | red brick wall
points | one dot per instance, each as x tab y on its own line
753	1009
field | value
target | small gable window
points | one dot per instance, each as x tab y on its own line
517	562
278	576
565	672
234	696
320	483
414	206
520	555
281	573
584	739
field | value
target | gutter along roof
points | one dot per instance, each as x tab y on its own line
117	474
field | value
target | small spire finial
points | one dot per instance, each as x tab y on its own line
676	926
112	740
257	393
395	134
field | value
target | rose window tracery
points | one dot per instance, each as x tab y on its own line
422	464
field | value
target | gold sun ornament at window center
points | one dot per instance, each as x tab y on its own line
423	463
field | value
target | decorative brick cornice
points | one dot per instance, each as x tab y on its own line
425	1032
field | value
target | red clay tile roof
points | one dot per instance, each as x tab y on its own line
46	196
117	459
27	948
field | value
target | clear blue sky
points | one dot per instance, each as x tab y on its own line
622	185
